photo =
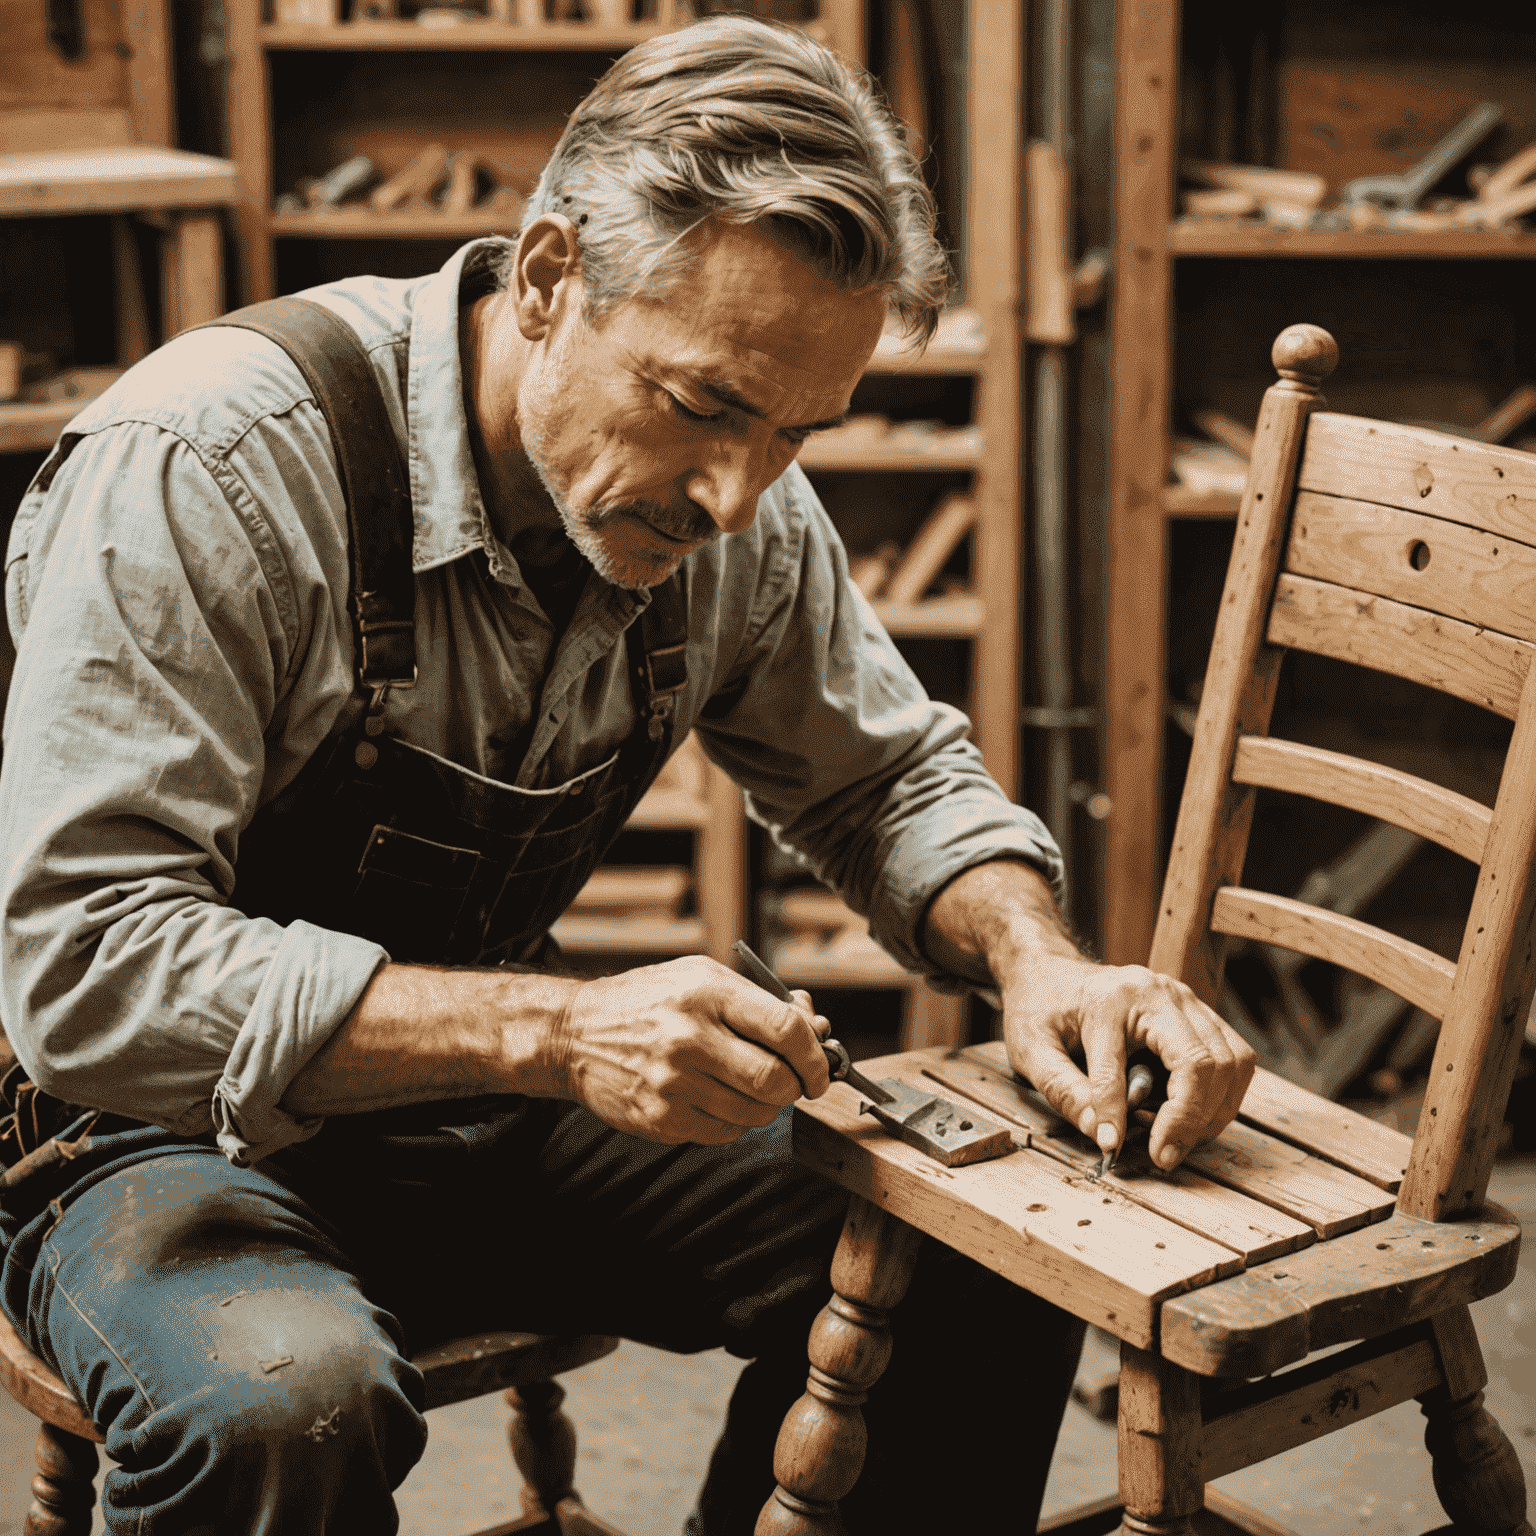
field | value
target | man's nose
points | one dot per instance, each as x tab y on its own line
728	484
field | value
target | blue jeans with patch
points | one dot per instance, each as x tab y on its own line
241	1335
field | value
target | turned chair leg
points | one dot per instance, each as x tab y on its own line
63	1494
820	1450
544	1448
1161	1486
1477	1471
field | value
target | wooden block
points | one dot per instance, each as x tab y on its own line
1373	1151
1251	1229
1360	1285
124	179
10	369
636	891
1024	1216
1302	187
417	180
309	13
1049	313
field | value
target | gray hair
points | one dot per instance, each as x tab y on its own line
743	121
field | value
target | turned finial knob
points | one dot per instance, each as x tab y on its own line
1305	353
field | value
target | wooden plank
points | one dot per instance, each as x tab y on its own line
1430	810
1211	836
1481	1034
1480	577
64	128
626	936
1146	148
994	282
1376	1153
722	881
1250	1425
151	92
1253	1231
1024	1216
1450	477
1474	664
1362	1284
112	180
1330	1199
960	616
1408	969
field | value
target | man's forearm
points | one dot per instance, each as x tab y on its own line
994	917
422	1033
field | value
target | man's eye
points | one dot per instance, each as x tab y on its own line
687	415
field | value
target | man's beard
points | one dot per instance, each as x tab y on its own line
584	525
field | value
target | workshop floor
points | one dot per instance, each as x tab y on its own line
646	1422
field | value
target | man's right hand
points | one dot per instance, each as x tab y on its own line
686	1051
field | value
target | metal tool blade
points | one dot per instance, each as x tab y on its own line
950	1133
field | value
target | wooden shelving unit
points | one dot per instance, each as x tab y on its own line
1430	323
291	87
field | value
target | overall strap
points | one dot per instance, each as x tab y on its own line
658	657
374	484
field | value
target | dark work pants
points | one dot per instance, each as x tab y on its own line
240	1334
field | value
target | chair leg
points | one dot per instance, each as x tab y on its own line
820	1450
1161	1485
1477	1471
63	1494
544	1448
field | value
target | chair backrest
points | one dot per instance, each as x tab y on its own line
106	86
1414	553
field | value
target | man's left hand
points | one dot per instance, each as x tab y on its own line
1072	1004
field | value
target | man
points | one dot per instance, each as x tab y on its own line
279	915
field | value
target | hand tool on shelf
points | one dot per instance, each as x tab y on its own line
1404	190
947	1132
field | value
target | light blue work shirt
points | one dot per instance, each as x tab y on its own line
176	584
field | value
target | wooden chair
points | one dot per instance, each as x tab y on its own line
543	1438
1304	1225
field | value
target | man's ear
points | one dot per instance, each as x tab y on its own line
548	274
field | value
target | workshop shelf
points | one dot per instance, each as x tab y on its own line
1208	237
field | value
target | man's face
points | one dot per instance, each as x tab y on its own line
660	426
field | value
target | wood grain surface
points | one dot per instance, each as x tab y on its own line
1353	1141
1408	969
1253	1424
1364	1283
1025	1216
1430	810
1483	578
1253	1230
1479	484
1474	664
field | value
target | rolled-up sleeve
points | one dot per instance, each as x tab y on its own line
845	759
157	626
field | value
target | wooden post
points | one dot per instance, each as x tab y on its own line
820	1450
1240	682
1161	1485
151	95
1480	1036
62	1491
994	288
199	267
1146	81
250	147
721	868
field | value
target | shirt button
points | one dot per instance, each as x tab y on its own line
366	754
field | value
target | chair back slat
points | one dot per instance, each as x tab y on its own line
1479	665
1412	554
1408	969
1479	484
1428	810
1448	568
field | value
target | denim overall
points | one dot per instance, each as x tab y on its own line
241	1334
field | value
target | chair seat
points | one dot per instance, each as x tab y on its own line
454	1371
1258	1249
121	178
